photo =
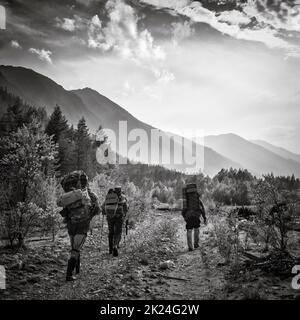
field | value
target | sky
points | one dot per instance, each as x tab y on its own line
215	66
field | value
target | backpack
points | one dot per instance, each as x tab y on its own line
74	180
115	202
191	201
79	209
111	203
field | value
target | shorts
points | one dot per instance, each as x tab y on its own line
192	222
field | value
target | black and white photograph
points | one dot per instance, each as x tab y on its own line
149	153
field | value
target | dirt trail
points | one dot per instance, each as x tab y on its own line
199	274
204	281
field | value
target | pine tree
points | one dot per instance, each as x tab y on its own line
83	148
57	125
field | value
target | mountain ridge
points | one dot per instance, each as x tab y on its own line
97	109
254	157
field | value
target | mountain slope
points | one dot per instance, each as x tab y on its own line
39	90
278	150
253	157
111	114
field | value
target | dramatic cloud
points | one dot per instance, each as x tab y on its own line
255	21
42	54
122	36
15	44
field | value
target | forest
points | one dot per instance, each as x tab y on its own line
37	150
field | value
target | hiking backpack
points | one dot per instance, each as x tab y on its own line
111	203
75	184
191	201
114	202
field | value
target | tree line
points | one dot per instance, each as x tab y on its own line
36	150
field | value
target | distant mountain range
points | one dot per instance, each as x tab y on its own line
254	156
222	151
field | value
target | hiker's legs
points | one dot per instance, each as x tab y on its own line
196	237
120	238
77	241
118	231
118	222
71	262
110	224
189	234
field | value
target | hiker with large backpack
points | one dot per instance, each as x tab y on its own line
115	208
80	205
192	210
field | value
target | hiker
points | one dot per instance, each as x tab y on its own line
115	208
80	205
192	209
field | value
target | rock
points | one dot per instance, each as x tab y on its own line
166	265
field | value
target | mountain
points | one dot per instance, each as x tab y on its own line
252	156
278	150
39	90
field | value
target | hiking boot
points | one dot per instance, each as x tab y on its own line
110	251
190	249
115	252
71	265
70	278
196	246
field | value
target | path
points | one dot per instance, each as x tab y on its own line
40	272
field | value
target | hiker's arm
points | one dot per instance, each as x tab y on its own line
202	209
95	210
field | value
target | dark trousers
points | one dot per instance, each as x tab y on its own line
115	224
192	223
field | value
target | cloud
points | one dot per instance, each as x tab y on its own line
164	76
234	17
122	36
66	24
42	54
254	21
15	44
182	31
69	24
